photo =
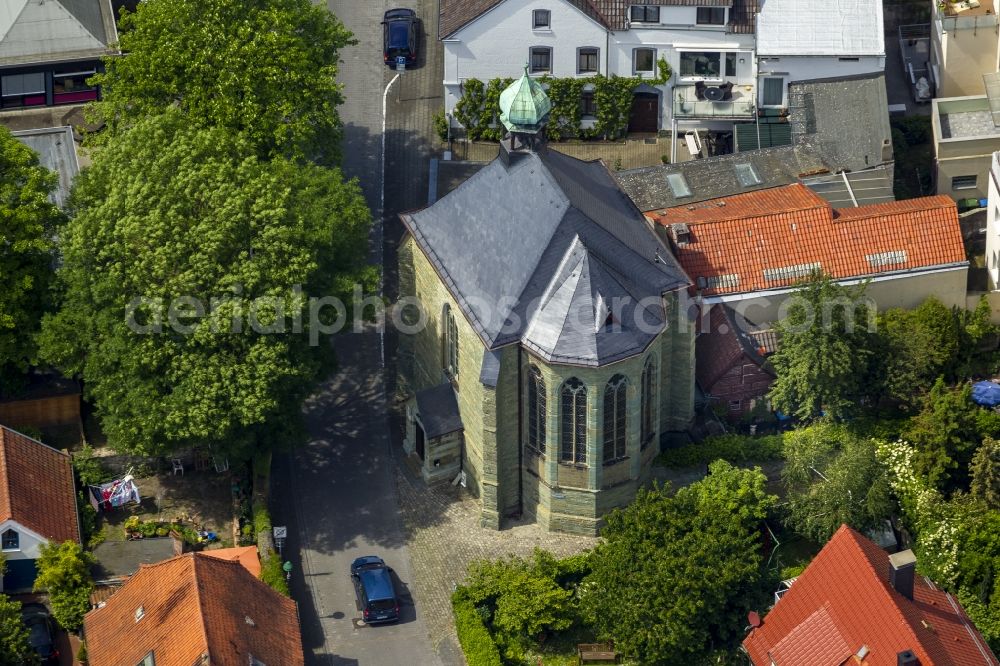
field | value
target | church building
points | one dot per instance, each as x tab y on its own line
553	353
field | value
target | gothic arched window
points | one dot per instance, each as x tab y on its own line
615	417
574	421
536	409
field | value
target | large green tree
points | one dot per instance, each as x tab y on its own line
172	219
28	224
985	471
833	477
64	574
674	576
265	68
945	435
919	346
826	343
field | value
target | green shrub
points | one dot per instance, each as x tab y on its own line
272	574
477	644
441	125
89	468
261	520
81	654
731	448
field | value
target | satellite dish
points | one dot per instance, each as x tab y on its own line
754	619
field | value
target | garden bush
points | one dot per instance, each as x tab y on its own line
272	574
89	468
477	644
732	448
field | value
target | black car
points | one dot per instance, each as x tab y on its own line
38	620
400	36
376	594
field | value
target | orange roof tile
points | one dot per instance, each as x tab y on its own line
245	555
36	487
195	607
844	599
785	231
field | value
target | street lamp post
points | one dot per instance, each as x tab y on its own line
287	568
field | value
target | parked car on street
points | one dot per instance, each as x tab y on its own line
41	632
400	36
376	594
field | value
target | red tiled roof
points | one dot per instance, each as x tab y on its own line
789	228
847	584
36	487
454	15
195	607
245	555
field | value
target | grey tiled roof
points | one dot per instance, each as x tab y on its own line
715	177
538	251
438	410
846	120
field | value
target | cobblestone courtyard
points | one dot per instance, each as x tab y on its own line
443	535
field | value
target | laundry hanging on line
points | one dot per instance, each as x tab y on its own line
114	494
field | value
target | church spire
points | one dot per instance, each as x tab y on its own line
524	106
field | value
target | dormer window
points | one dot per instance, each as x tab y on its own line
644	14
541	19
148	660
10	540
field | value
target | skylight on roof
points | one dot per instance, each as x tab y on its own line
747	175
790	272
678	185
890	258
725	281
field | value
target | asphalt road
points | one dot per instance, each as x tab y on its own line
337	495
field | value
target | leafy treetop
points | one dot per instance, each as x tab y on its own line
64	574
186	218
28	224
266	68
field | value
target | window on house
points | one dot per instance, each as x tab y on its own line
573	430
730	64
148	660
587	60
963	182
22	90
588	106
70	86
536	409
644	14
541	59
10	540
711	16
735	405
450	328
643	60
773	92
701	64
615	411
849	59
648	408
541	19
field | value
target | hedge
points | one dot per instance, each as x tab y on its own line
731	448
477	644
272	574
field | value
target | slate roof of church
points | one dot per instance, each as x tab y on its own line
536	251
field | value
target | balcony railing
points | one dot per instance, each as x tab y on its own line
958	16
687	105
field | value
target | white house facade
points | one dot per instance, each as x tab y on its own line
993	222
731	60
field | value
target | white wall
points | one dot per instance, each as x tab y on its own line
904	291
30	542
993	223
805	68
497	44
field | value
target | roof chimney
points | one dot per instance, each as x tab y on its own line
907	658
681	233
902	567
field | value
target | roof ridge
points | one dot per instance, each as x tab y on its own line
883	585
5	477
748	218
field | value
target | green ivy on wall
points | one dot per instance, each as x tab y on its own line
479	108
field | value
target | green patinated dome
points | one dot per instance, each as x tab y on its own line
524	106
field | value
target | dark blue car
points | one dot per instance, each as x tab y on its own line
376	594
400	36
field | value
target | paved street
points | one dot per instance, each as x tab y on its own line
337	495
